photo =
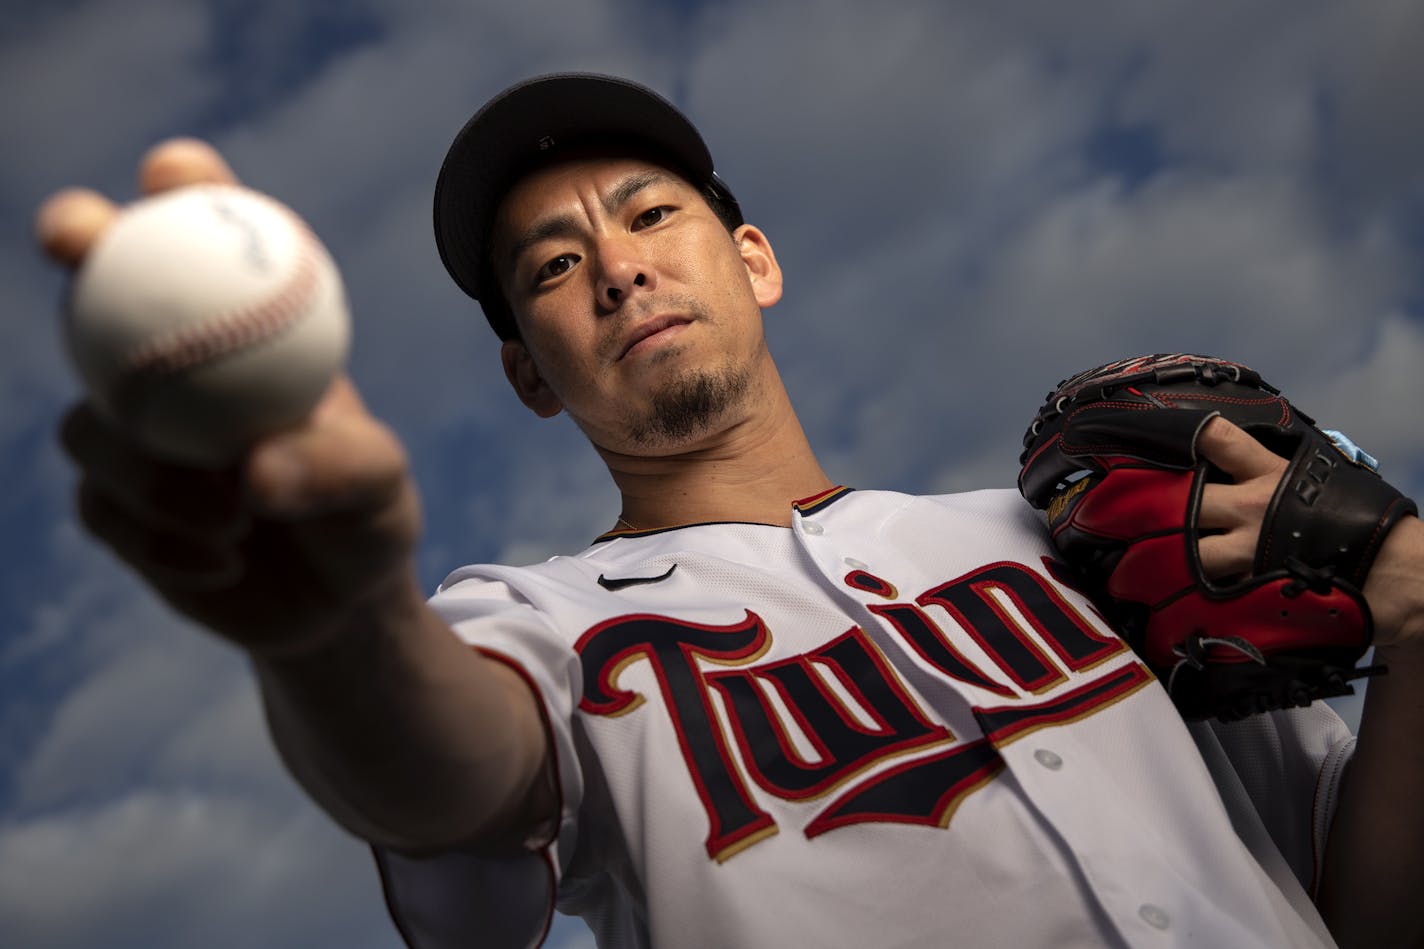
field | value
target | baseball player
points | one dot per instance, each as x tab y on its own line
764	709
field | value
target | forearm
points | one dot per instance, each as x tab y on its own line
1374	859
408	737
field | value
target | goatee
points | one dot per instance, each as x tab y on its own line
688	405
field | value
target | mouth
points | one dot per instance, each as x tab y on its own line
646	330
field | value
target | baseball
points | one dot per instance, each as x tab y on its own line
205	318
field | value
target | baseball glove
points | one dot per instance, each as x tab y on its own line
1111	457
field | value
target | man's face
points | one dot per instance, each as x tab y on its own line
640	314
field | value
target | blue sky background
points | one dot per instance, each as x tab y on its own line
970	202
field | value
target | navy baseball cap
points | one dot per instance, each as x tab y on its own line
526	127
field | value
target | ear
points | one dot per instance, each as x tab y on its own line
524	378
760	260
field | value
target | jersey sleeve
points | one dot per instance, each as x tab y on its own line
1279	774
457	899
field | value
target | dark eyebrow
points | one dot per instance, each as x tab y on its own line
564	225
560	226
627	189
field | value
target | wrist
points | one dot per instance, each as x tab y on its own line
1394	590
385	609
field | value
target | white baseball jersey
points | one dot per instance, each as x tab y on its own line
890	726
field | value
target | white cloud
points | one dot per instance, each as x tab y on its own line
1243	263
1370	399
141	678
865	123
183	868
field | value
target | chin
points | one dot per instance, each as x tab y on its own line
689	406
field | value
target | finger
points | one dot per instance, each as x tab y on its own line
169	560
70	221
343	458
1232	506
201	503
1226	556
1235	452
182	161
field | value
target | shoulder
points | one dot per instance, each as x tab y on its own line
986	501
995	512
989	502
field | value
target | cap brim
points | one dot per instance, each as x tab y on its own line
518	130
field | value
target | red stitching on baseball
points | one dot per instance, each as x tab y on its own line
238	329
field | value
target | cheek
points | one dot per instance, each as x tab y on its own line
565	365
560	368
713	263
733	287
551	326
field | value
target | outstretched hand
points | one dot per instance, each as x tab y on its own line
277	552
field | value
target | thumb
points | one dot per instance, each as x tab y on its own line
1229	447
341	458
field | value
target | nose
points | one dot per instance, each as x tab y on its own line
622	268
614	293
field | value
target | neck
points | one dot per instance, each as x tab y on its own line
750	469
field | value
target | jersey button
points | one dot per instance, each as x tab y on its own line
1154	916
812	528
1048	759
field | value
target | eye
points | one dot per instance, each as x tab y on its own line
559	266
654	216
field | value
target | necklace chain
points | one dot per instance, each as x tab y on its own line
624	521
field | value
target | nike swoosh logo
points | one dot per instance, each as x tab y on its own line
622	582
